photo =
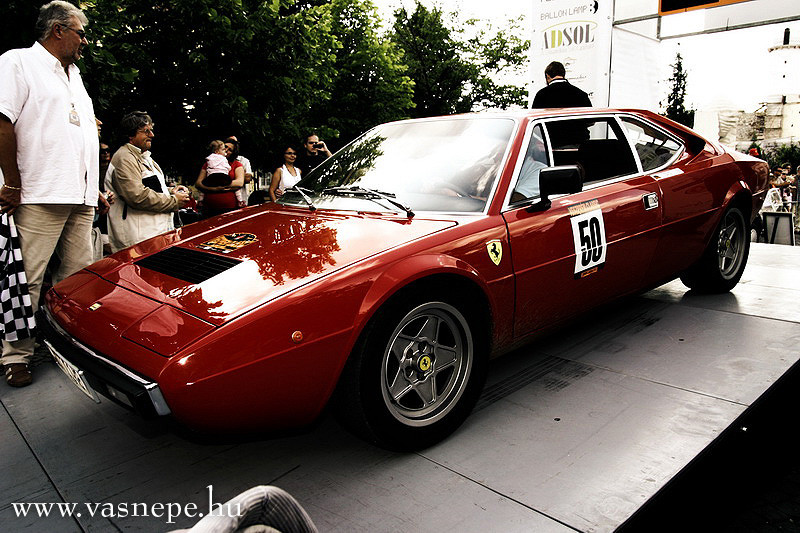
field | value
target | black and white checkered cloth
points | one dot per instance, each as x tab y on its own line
17	321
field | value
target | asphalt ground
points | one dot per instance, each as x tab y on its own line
747	480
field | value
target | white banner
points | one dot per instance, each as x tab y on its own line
578	34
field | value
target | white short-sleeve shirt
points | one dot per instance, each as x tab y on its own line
241	193
58	160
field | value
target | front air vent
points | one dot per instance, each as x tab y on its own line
189	265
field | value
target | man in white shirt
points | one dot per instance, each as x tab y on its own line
49	155
243	192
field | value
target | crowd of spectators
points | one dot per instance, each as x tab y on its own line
783	195
783	188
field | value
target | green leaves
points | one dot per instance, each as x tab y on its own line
369	85
207	70
455	74
783	154
271	71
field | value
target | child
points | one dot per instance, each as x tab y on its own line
217	163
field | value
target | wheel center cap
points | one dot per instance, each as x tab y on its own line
424	363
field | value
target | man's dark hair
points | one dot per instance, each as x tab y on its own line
312	134
235	152
555	69
134	121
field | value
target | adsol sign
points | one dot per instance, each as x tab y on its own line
573	33
578	34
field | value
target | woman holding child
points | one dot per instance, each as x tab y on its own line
218	185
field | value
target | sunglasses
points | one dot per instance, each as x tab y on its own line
290	153
105	151
81	33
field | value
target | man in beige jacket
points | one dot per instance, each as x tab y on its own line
144	206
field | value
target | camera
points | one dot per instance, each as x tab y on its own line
319	145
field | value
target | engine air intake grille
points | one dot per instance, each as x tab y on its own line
189	265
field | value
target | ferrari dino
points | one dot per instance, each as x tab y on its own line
389	276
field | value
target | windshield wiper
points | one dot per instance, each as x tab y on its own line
301	190
369	194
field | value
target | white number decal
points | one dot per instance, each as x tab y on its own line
589	235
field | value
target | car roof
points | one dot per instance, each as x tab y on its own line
535	113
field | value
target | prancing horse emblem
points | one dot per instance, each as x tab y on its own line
495	249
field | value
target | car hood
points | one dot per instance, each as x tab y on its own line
218	269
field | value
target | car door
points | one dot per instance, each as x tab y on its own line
587	247
693	186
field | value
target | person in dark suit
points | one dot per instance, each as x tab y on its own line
559	92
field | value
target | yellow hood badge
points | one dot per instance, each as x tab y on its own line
495	250
228	242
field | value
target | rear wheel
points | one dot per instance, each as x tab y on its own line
722	264
415	375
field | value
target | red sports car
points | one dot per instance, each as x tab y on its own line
389	276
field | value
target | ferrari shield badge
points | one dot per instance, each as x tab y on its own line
495	249
228	242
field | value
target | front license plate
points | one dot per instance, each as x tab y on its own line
74	373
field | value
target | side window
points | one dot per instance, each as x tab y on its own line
654	147
535	160
596	144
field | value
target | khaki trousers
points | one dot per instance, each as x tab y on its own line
43	229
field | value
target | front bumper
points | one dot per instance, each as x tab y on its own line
114	381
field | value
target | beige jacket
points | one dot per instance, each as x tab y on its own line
138	212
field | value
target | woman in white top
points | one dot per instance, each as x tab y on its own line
286	176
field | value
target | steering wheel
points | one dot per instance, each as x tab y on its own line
450	186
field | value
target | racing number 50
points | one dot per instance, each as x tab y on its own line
591	241
589	236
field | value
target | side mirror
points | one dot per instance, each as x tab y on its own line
565	179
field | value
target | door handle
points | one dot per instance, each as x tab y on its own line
650	201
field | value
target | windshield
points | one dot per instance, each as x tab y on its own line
446	165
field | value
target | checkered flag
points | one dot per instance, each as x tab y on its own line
17	321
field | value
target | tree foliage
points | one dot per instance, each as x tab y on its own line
270	71
496	54
431	55
16	24
371	85
783	154
453	73
205	70
676	109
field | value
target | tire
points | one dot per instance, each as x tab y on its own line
415	374
722	264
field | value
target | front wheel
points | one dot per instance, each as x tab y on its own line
722	264
416	373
